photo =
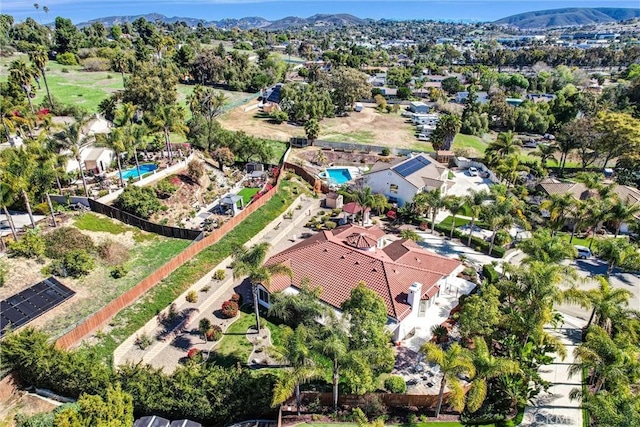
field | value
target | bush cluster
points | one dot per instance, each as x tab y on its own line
214	333
476	242
219	274
31	245
63	240
119	271
113	253
237	298
229	309
67	58
165	188
192	297
75	263
395	384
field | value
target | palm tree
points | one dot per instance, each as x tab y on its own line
39	59
453	362
487	367
364	198
607	360
623	211
506	144
169	118
545	152
380	203
126	114
579	213
249	262
23	75
18	166
409	234
446	130
72	138
7	197
302	368
475	200
608	305
435	201
558	205
618	253
134	136
114	140
545	247
333	344
455	205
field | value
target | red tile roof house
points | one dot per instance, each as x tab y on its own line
406	276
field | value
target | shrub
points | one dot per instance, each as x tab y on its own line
229	309
31	245
279	116
195	170
66	239
214	333
113	253
96	64
75	264
440	333
193	353
237	298
330	225
138	201
3	274
205	288
395	384
490	273
219	274
67	58
143	341
165	188
119	271
192	297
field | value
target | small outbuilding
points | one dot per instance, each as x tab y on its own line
418	107
229	204
333	200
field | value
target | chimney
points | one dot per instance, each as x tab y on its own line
415	293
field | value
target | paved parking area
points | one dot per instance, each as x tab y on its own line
463	183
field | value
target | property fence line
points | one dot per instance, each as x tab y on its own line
393	400
350	146
102	316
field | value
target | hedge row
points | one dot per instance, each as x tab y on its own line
476	242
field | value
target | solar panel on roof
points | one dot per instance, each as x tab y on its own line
410	166
23	307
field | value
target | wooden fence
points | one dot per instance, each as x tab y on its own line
105	314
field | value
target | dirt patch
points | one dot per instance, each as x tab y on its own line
366	127
22	402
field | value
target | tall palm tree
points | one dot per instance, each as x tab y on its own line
134	137
73	138
23	75
545	247
454	205
618	253
380	203
506	144
333	344
623	211
579	213
297	353
114	140
487	367
18	166
7	197
446	130
453	362
167	119
559	206
364	198
435	201
545	152
608	305
249	262
39	59
475	200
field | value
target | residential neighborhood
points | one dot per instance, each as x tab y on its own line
354	220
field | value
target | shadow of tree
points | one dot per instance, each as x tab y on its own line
182	342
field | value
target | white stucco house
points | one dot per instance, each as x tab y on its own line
402	179
406	277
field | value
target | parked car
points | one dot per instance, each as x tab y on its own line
583	252
473	171
423	137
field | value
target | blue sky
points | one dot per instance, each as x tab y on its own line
481	10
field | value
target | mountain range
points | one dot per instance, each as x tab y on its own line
538	19
569	17
319	20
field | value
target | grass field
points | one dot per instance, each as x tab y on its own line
478	145
247	194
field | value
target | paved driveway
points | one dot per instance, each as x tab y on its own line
463	182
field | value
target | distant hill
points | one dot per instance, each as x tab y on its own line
569	17
319	21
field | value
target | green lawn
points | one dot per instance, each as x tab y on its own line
470	141
576	239
135	316
459	221
234	347
359	137
247	194
93	222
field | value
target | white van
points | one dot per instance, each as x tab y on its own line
583	252
423	137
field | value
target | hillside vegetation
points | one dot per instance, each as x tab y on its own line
569	17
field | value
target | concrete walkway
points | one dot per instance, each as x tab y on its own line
280	233
554	407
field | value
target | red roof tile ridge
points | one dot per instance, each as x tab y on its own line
391	298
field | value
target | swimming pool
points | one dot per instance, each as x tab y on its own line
144	169
338	176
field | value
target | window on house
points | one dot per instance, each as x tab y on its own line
263	295
393	188
422	309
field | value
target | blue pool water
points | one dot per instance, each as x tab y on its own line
338	176
144	169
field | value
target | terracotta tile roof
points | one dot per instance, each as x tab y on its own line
361	240
329	262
